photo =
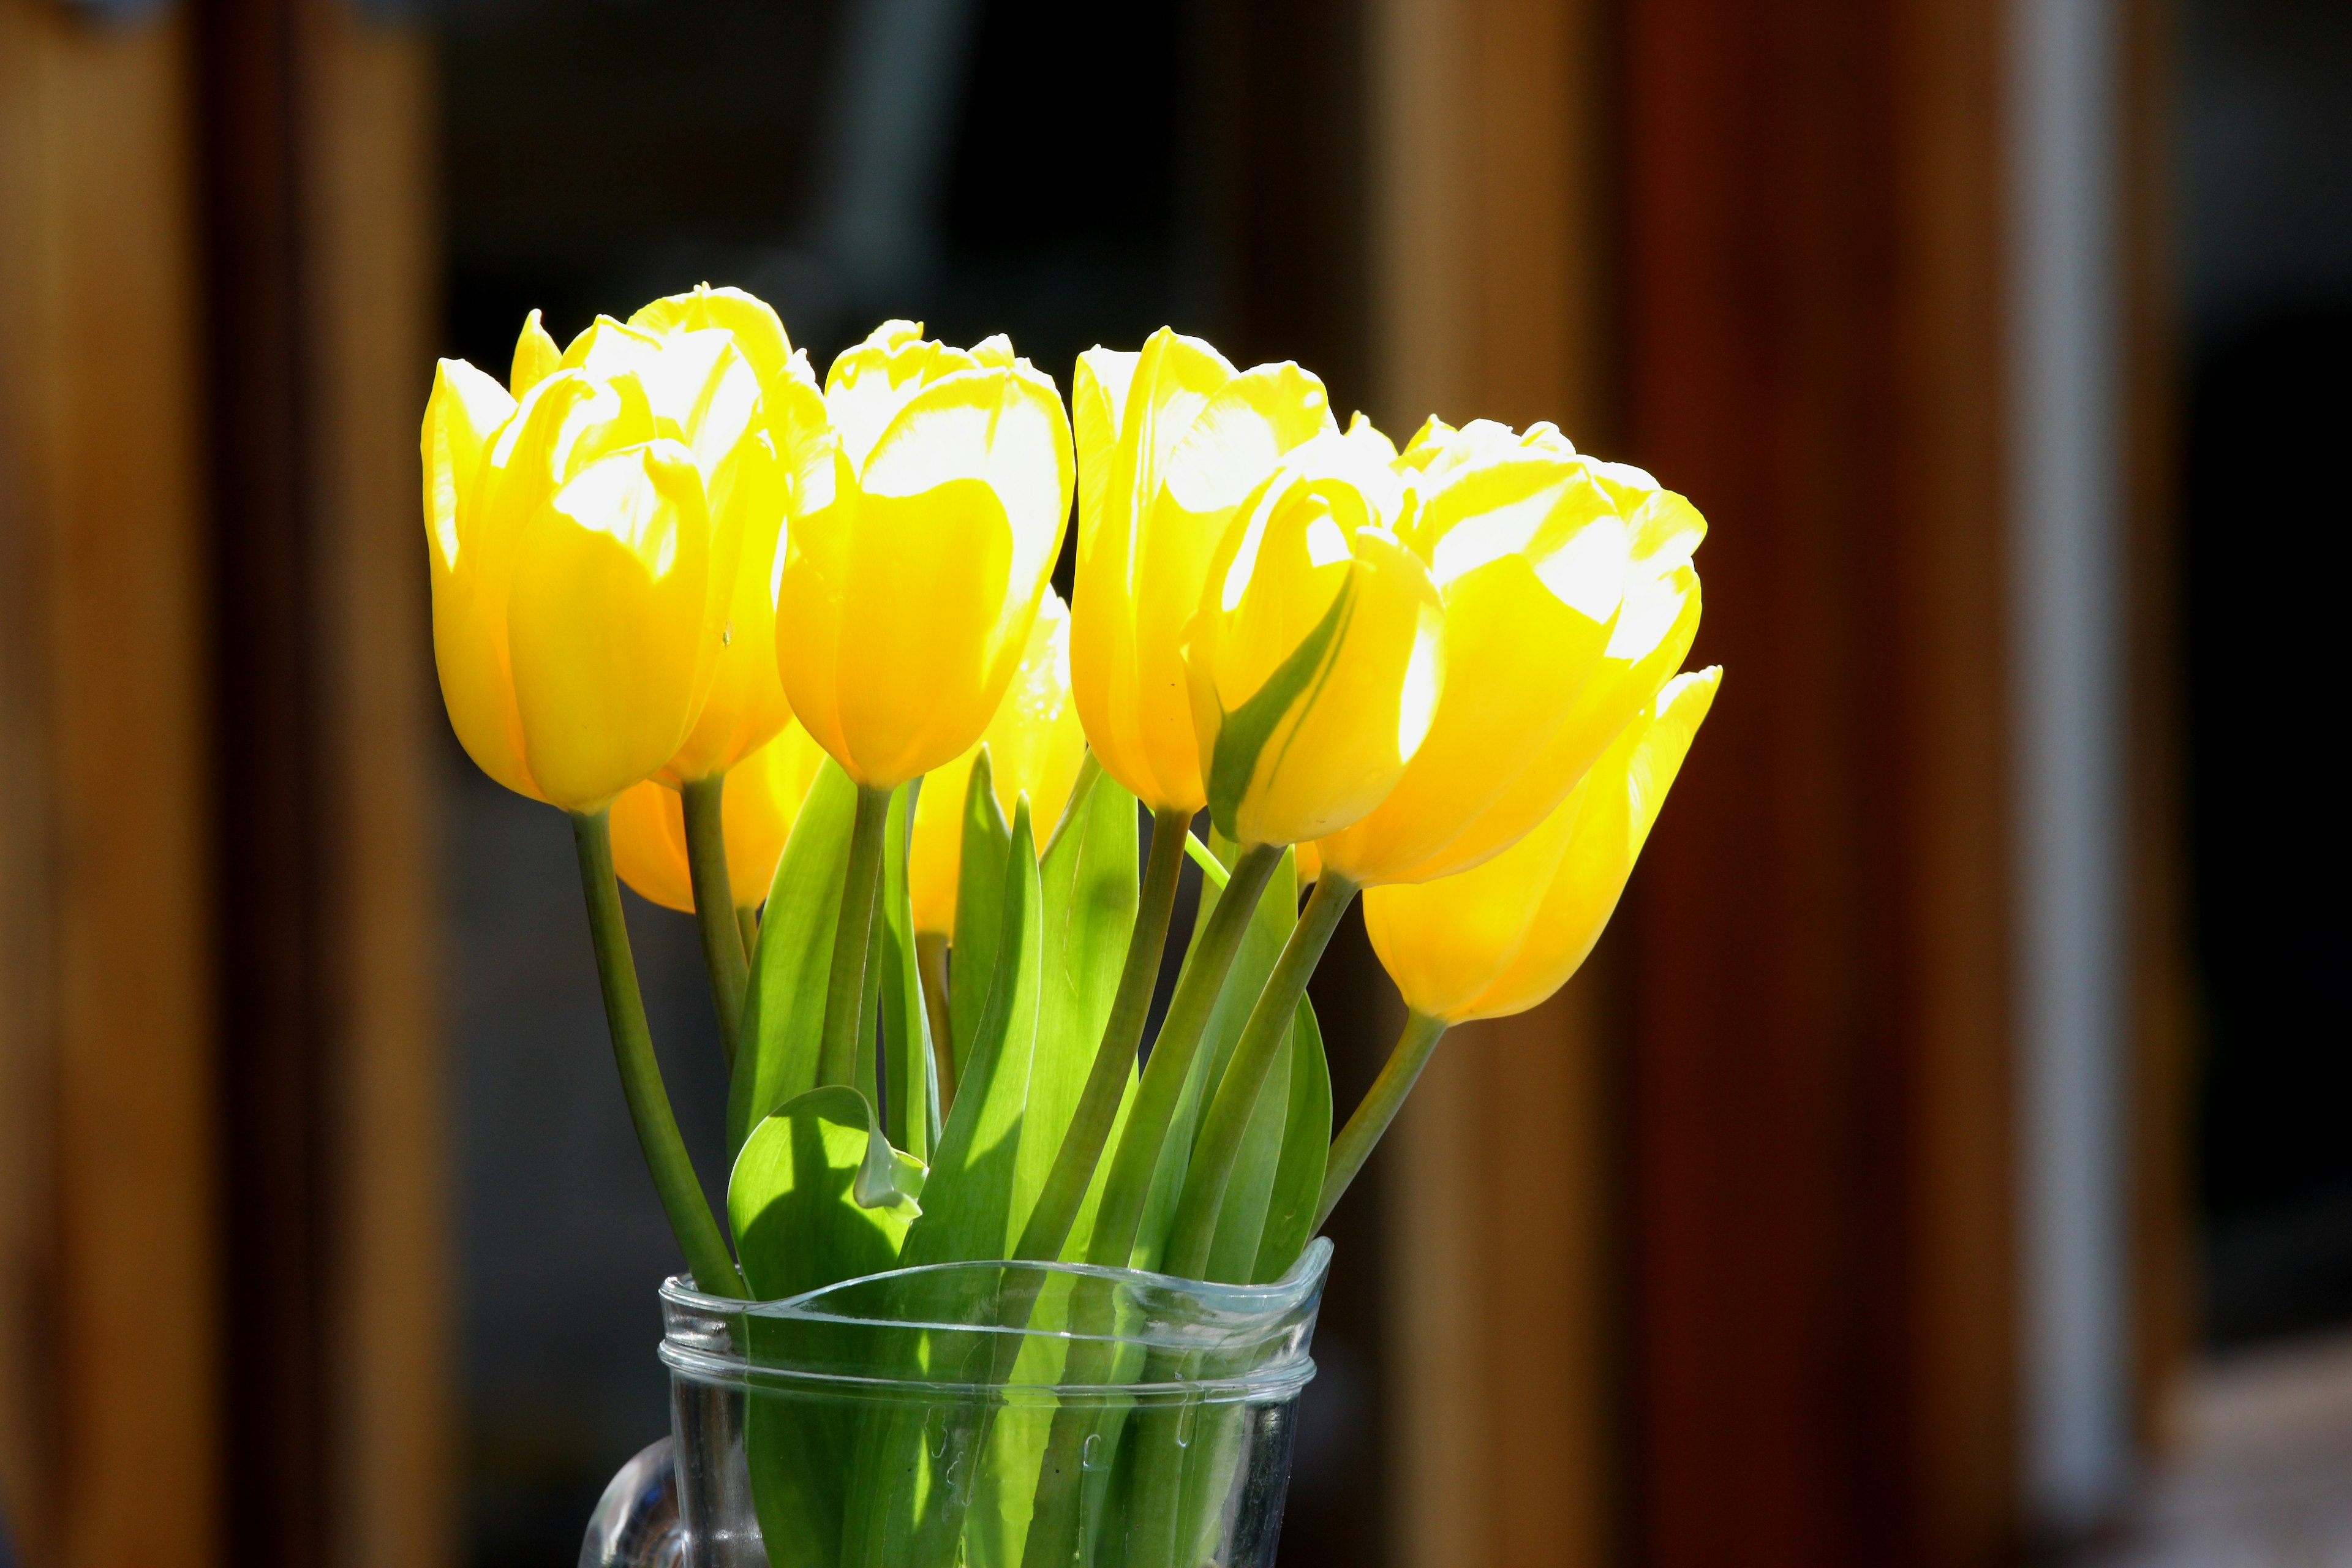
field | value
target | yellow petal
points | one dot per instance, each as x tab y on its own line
1313	663
758	334
1142	555
648	824
904	605
1617	808
463	419
536	357
1036	748
1446	943
607	619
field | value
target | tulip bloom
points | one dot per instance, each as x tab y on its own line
1312	662
1533	548
1036	748
763	796
765	483
1170	441
1502	937
913	569
580	578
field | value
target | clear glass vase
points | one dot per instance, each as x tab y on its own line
972	1415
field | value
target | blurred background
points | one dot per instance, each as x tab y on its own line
1940	1162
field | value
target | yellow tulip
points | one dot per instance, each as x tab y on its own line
761	483
1502	937
1312	663
1170	440
763	796
1530	553
1036	748
914	565
580	578
1654	628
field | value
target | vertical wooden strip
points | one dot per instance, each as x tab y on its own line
1490	288
103	458
372	237
1820	1092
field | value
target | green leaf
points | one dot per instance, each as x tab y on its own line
1089	883
784	1006
911	1094
1270	716
970	1212
1305	1148
817	1196
1261	945
980	906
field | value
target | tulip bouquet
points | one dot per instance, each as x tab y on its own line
789	656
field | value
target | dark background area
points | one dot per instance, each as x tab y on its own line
1084	174
2266	158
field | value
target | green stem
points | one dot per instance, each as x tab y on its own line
845	988
1219	1145
641	1083
1197	989
1378	1108
714	907
747	926
931	967
1065	1191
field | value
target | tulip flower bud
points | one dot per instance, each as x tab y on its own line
1036	748
1502	937
580	578
763	796
1313	661
758	483
1529	554
914	565
1170	440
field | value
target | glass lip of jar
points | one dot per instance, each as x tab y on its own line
1292	1299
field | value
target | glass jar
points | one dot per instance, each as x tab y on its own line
972	1415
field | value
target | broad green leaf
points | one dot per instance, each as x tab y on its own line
1088	881
817	1196
784	1006
1269	928
911	1095
969	1216
1305	1149
980	906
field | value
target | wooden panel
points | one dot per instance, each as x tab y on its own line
108	1406
320	256
1822	1216
375	244
1491	280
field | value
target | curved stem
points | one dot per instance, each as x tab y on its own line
714	906
641	1082
1378	1108
844	990
1065	1192
1128	1188
1219	1145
